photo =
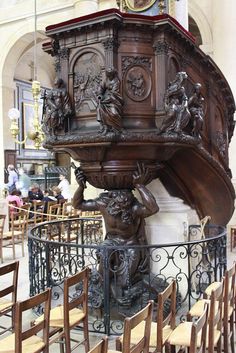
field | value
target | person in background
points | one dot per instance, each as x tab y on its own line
12	178
24	182
35	193
57	194
14	197
48	197
64	186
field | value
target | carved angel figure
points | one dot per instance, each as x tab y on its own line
110	103
57	107
176	105
195	104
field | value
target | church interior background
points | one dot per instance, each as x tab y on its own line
210	22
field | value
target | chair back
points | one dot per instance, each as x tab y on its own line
2	223
130	323
80	279
100	347
38	211
18	220
12	288
229	290
215	315
199	328
168	294
67	209
54	211
20	334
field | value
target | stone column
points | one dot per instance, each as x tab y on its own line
85	7
179	10
223	28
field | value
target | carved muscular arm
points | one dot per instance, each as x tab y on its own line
78	201
149	206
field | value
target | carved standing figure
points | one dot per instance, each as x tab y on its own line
57	107
124	220
195	104
109	110
176	105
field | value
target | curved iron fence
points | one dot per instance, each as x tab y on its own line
59	249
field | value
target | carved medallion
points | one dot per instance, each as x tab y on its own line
137	83
139	5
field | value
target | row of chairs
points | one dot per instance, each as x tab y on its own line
56	324
19	221
140	333
209	319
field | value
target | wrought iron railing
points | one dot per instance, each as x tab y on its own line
61	248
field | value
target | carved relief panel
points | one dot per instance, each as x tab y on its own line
87	80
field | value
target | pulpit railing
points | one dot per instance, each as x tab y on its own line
61	248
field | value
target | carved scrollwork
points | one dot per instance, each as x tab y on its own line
64	53
128	61
110	44
161	47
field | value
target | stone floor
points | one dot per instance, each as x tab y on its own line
23	291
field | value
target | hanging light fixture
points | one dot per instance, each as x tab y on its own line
36	134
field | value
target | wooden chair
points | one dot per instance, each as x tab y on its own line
24	341
100	347
7	306
130	323
228	306
2	224
228	309
162	328
214	328
16	234
190	335
38	216
65	317
54	211
69	211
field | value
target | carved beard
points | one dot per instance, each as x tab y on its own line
114	209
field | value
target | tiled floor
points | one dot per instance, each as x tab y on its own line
23	292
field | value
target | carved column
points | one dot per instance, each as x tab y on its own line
161	48
111	46
64	63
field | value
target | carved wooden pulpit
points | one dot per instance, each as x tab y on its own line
136	89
